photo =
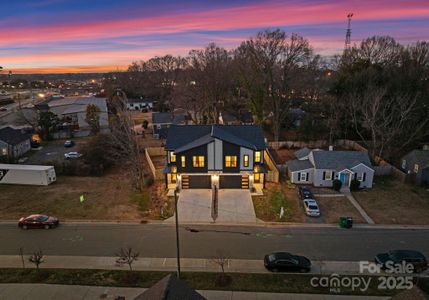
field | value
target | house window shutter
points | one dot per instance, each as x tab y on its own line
333	175
306	176
299	176
355	176
364	176
324	175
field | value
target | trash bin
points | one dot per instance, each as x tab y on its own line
349	222
342	222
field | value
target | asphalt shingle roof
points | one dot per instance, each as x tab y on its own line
170	288
302	152
249	136
13	136
297	165
340	160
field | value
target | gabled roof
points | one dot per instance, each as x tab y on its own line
340	160
303	152
170	288
298	165
182	137
13	136
421	157
167	118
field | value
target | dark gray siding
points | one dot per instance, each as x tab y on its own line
189	168
232	150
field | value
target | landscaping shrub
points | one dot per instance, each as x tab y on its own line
279	200
336	185
148	181
354	185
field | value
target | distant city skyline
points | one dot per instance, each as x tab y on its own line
55	36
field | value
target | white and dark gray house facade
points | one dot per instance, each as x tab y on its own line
225	156
320	168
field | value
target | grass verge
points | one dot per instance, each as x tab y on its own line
274	283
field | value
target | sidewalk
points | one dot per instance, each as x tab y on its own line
169	264
79	292
353	201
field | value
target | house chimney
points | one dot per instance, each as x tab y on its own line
331	148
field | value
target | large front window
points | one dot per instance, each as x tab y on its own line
257	178
183	160
230	161
198	161
258	156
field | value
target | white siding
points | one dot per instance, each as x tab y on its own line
30	177
318	177
245	151
210	156
360	169
218	155
294	176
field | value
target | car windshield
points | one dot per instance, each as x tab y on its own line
42	218
313	207
271	257
395	255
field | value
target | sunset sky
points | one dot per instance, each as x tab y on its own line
47	36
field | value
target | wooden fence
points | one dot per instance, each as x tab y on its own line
273	174
152	152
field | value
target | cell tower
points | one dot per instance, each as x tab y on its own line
349	31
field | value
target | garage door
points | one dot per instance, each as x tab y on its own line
230	182
200	182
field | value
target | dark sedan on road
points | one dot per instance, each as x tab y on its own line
38	221
397	257
305	193
286	262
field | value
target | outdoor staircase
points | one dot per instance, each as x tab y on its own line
245	182
185	182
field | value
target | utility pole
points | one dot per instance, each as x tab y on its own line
348	32
177	234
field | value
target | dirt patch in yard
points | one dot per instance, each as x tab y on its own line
109	197
281	156
393	202
332	208
267	207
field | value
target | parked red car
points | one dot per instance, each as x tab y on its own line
38	221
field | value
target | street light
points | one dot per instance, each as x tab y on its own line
177	234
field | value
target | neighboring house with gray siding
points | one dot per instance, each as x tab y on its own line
14	143
320	168
416	163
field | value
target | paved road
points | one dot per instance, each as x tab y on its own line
153	240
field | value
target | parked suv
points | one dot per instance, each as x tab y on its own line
305	193
68	144
417	259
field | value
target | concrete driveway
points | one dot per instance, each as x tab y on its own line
194	206
235	206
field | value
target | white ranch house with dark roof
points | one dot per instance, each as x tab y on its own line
320	168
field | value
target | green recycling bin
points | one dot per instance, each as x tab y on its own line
342	222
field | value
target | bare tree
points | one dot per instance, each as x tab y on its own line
127	256
221	260
36	258
125	146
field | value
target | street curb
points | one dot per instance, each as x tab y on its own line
256	225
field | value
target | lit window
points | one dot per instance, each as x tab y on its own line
230	161
4	151
198	161
246	160
258	156
173	178
416	168
172	157
257	178
404	164
183	159
174	169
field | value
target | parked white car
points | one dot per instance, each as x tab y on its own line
72	155
311	208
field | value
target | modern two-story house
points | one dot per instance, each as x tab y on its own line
225	156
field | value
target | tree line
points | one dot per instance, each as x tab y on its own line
375	92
